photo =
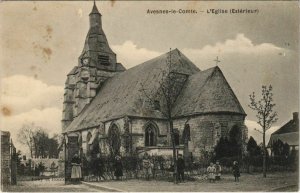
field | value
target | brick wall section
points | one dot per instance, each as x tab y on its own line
5	158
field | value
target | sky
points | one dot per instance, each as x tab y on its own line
41	42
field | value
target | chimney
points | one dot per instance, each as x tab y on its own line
295	116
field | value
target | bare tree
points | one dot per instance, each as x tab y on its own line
38	142
26	136
169	88
265	115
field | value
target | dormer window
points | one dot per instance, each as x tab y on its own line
156	105
103	60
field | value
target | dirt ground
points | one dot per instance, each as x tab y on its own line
280	182
248	182
47	186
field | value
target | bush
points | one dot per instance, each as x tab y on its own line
228	161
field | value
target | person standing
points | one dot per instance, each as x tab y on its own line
211	170
85	166
180	168
118	168
53	168
99	167
76	169
236	171
146	166
218	170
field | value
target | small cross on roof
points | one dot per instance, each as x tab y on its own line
217	60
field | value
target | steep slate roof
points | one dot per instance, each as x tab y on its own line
288	133
121	95
291	138
207	92
291	126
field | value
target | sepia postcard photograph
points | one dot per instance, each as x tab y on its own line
149	96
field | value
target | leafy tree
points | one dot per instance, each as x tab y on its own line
265	115
277	148
281	152
227	148
53	147
17	156
41	143
38	141
254	154
252	148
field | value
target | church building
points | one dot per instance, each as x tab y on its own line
121	111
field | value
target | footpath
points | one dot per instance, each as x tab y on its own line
281	181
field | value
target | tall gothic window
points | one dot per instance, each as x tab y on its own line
235	134
150	136
176	136
88	138
114	138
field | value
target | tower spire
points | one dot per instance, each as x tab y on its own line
95	9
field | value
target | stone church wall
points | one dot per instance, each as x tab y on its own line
206	130
138	131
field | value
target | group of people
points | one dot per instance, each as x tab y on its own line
98	170
214	171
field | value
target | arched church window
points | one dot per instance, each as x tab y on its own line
235	134
176	137
156	105
88	138
217	133
150	136
114	140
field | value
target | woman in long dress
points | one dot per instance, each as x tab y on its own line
76	169
211	170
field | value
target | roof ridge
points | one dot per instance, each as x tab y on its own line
232	93
207	79
194	75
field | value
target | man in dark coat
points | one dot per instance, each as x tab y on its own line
180	168
118	168
98	167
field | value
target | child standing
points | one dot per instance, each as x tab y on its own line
211	170
236	171
218	170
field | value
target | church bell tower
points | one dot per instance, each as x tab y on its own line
96	64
